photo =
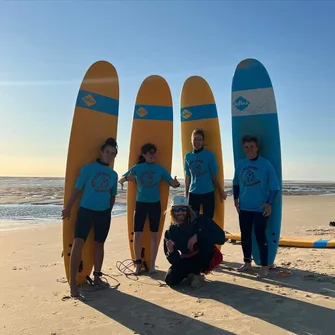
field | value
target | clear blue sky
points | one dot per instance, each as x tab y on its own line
46	48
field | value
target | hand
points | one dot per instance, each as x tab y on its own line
169	245
174	182
66	212
223	195
192	241
237	205
267	209
131	177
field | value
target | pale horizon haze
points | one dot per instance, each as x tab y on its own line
46	48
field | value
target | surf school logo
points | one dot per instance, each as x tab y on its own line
141	112
241	103
186	114
89	100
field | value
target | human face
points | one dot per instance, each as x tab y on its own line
108	154
180	213
250	149
150	156
197	141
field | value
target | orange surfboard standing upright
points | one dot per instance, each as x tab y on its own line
95	119
152	122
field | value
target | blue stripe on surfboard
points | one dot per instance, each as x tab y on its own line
320	244
97	102
265	127
251	75
200	112
149	112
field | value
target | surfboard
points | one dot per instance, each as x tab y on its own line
290	241
254	112
152	122
198	110
95	119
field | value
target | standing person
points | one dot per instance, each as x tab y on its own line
201	169
98	184
255	186
190	244
148	175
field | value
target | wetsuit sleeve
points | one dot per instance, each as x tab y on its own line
236	191
81	179
211	232
213	165
174	257
113	190
186	167
132	170
166	175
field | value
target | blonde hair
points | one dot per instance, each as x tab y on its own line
190	213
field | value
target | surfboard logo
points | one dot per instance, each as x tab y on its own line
186	114
241	103
89	100
141	112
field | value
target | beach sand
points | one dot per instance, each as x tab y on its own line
33	285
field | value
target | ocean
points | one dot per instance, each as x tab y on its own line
30	201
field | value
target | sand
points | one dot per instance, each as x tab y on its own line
33	285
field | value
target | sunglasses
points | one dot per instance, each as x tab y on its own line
179	209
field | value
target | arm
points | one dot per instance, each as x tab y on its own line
213	166
130	175
73	198
113	192
172	257
211	232
167	177
187	177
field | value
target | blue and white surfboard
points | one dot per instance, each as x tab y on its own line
254	113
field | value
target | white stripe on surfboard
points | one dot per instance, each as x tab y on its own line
254	102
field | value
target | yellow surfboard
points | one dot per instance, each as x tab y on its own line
198	110
95	119
152	122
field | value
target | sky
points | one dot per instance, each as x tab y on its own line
47	46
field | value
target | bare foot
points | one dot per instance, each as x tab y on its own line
152	269
74	291
138	269
245	267
263	272
99	282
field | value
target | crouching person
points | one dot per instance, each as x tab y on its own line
190	244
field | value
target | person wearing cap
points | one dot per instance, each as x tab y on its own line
190	244
148	176
201	176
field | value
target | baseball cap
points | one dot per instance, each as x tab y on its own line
179	200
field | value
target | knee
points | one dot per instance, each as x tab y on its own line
99	245
78	243
170	280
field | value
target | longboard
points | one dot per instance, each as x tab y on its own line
254	112
152	122
198	110
95	119
290	241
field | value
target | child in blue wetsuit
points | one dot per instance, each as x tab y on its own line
201	169
255	186
98	184
148	175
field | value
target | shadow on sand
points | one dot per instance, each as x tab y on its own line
147	318
296	316
299	280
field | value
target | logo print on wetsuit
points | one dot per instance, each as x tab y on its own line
100	182
248	176
197	168
148	179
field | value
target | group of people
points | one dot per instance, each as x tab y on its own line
190	241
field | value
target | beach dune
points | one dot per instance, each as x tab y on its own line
33	286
